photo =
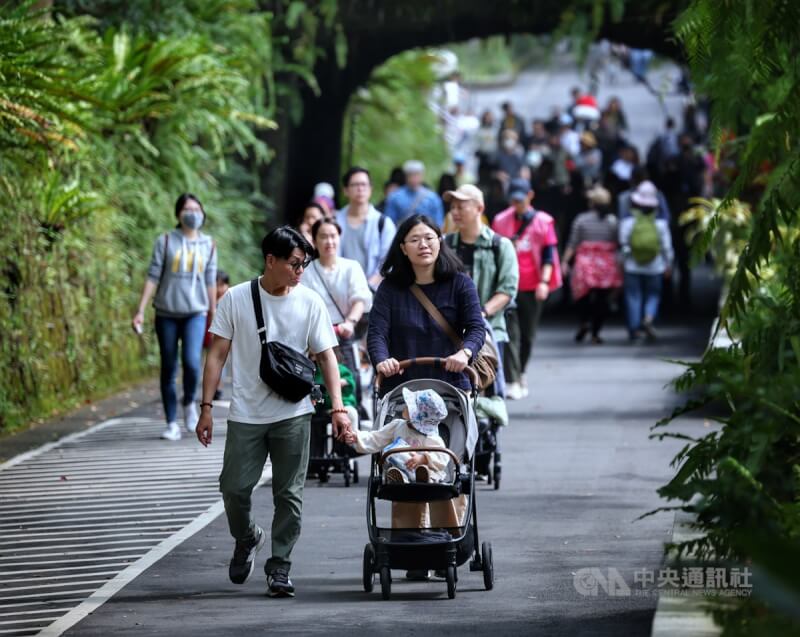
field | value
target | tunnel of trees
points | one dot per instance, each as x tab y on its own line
374	31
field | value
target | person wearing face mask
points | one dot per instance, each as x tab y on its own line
183	279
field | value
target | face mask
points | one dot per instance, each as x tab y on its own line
192	220
509	144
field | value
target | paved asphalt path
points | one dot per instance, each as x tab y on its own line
579	468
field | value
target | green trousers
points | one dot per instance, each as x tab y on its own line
246	449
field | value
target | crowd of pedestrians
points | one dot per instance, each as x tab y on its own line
461	273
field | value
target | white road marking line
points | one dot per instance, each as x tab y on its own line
67	533
32	620
122	507
108	492
63	554
98	525
52	577
78	568
110	589
50	602
162	514
185	495
57	585
20	550
31	612
67	439
54	594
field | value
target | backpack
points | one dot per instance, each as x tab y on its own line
644	242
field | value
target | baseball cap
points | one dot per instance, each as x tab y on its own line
413	166
467	192
518	189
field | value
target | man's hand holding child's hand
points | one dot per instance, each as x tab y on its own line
350	437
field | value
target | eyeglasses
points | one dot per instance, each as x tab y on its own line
429	239
299	265
358	184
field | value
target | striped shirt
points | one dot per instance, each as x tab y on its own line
589	226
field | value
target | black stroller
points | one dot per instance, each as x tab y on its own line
328	455
487	453
423	549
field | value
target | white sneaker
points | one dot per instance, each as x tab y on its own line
523	380
190	417
514	391
172	432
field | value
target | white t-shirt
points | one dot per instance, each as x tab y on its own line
298	320
346	283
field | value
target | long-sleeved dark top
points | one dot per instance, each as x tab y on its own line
399	327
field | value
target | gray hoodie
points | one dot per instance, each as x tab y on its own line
184	276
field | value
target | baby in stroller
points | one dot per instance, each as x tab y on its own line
419	427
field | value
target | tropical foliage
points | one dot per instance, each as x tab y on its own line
108	111
742	480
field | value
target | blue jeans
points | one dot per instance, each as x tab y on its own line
642	295
190	330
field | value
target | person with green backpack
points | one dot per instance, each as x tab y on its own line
647	250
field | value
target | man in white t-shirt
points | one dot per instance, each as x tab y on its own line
261	422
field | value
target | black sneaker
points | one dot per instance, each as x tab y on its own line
279	584
244	556
218	395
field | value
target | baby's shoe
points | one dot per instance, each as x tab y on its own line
393	474
422	474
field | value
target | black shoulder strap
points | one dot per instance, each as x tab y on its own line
381	223
262	331
327	289
496	239
526	221
451	239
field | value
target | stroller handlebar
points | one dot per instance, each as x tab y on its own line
432	361
444	450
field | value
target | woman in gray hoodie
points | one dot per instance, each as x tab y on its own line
183	277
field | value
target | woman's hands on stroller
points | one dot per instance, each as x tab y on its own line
389	367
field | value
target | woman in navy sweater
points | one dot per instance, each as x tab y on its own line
400	328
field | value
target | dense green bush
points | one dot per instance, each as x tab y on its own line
104	120
742	480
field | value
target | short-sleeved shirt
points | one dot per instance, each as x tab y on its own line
298	320
353	245
339	288
538	234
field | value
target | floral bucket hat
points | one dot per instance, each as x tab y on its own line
426	409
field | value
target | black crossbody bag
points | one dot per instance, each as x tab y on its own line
287	372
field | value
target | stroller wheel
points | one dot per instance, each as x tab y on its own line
346	472
369	567
355	472
323	475
488	565
386	582
496	477
451	582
